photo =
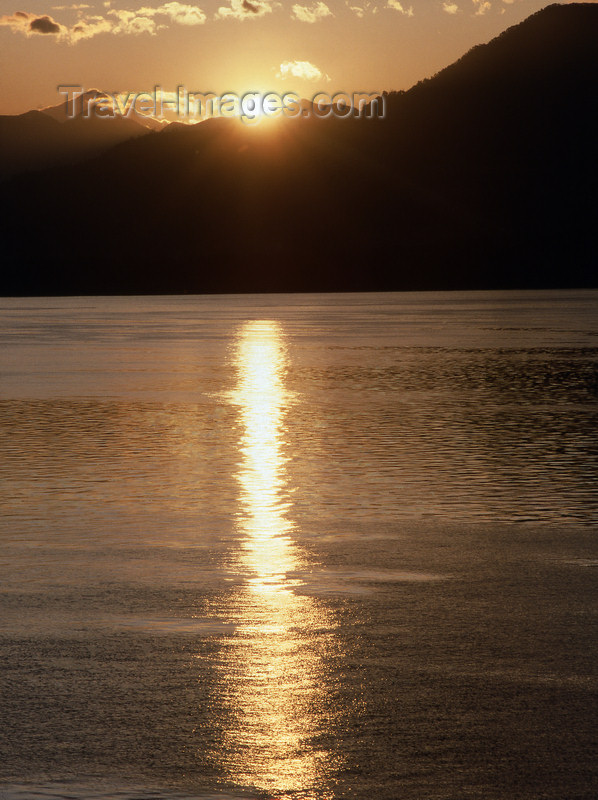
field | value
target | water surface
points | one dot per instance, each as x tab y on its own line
307	546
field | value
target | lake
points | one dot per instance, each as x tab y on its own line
315	547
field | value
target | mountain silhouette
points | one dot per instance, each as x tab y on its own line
88	101
55	136
483	176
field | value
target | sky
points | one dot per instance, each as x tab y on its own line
236	45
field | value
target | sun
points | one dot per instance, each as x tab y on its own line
266	108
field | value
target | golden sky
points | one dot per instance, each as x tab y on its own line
236	45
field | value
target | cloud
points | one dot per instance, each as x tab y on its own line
74	7
450	8
143	20
363	9
311	13
482	6
245	9
304	70
132	23
117	21
180	13
408	12
44	24
88	28
30	24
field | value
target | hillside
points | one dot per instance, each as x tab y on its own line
49	137
483	176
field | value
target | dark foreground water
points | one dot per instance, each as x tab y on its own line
311	547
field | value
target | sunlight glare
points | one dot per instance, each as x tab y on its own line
272	667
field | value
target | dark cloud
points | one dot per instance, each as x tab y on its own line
250	7
28	23
44	24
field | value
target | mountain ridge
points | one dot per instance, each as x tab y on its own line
38	140
474	180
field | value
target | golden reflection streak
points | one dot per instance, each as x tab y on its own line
274	661
261	395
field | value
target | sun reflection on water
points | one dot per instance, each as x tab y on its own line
273	664
262	398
